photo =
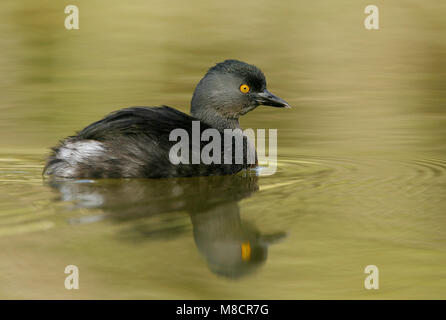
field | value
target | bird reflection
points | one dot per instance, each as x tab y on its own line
231	246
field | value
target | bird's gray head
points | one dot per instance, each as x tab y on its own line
229	90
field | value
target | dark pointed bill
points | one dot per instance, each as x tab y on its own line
266	98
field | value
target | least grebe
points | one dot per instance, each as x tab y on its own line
134	142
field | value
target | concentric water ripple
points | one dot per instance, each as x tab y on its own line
317	209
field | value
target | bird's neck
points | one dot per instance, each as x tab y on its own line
216	120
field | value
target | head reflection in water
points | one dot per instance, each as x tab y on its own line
231	246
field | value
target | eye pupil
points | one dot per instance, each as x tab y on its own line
244	88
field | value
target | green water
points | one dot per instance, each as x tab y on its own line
361	155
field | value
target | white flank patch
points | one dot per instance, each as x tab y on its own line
80	151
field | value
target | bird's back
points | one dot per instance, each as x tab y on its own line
132	142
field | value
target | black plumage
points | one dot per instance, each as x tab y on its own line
134	142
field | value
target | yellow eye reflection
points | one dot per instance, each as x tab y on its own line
244	88
246	251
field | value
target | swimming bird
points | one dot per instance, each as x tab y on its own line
135	142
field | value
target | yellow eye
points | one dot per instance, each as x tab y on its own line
246	251
244	88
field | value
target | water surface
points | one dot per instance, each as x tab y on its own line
361	156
